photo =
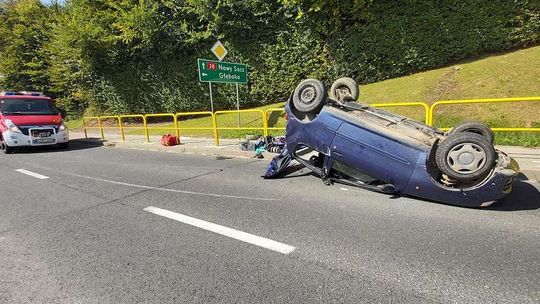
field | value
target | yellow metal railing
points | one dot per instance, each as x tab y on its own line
98	125
122	127
480	101
108	117
213	127
147	128
268	117
263	128
429	113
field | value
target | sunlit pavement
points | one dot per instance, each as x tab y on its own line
105	225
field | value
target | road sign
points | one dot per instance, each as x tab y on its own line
224	72
219	50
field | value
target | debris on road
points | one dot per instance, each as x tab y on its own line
170	140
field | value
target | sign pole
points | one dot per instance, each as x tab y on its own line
238	104
211	100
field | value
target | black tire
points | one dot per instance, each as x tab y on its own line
348	87
474	127
465	156
7	149
309	96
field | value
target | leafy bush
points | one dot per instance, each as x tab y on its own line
140	56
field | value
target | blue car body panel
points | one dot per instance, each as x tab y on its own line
388	157
383	158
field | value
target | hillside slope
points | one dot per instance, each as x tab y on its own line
515	74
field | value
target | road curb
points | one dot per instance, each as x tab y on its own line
221	151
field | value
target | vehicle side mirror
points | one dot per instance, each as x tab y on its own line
63	113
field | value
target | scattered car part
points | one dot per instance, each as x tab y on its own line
170	140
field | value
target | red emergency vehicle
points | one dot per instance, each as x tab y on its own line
30	119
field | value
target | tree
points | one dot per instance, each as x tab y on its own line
23	32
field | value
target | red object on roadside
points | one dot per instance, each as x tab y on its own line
170	140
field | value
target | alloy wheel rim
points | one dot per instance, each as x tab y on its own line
466	158
308	95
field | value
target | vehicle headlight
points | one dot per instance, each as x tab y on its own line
63	127
12	127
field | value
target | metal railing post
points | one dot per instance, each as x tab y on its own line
265	124
145	124
84	128
121	128
214	125
176	126
101	128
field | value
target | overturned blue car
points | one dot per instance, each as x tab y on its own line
342	140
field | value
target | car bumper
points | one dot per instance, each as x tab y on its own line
493	188
15	139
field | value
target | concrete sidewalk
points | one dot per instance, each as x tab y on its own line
192	145
528	158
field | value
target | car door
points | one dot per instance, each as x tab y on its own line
376	154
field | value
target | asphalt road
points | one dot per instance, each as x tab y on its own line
76	227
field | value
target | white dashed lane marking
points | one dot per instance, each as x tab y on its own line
33	174
222	230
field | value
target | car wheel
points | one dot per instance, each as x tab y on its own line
344	89
474	127
309	96
465	156
7	149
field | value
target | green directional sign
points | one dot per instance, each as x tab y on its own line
225	72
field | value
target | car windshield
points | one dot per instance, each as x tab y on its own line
27	107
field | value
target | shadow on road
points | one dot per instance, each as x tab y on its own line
524	196
296	170
74	145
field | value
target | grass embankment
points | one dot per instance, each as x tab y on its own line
515	74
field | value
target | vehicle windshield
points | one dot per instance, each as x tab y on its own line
27	107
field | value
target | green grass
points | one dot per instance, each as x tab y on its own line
74	124
515	74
